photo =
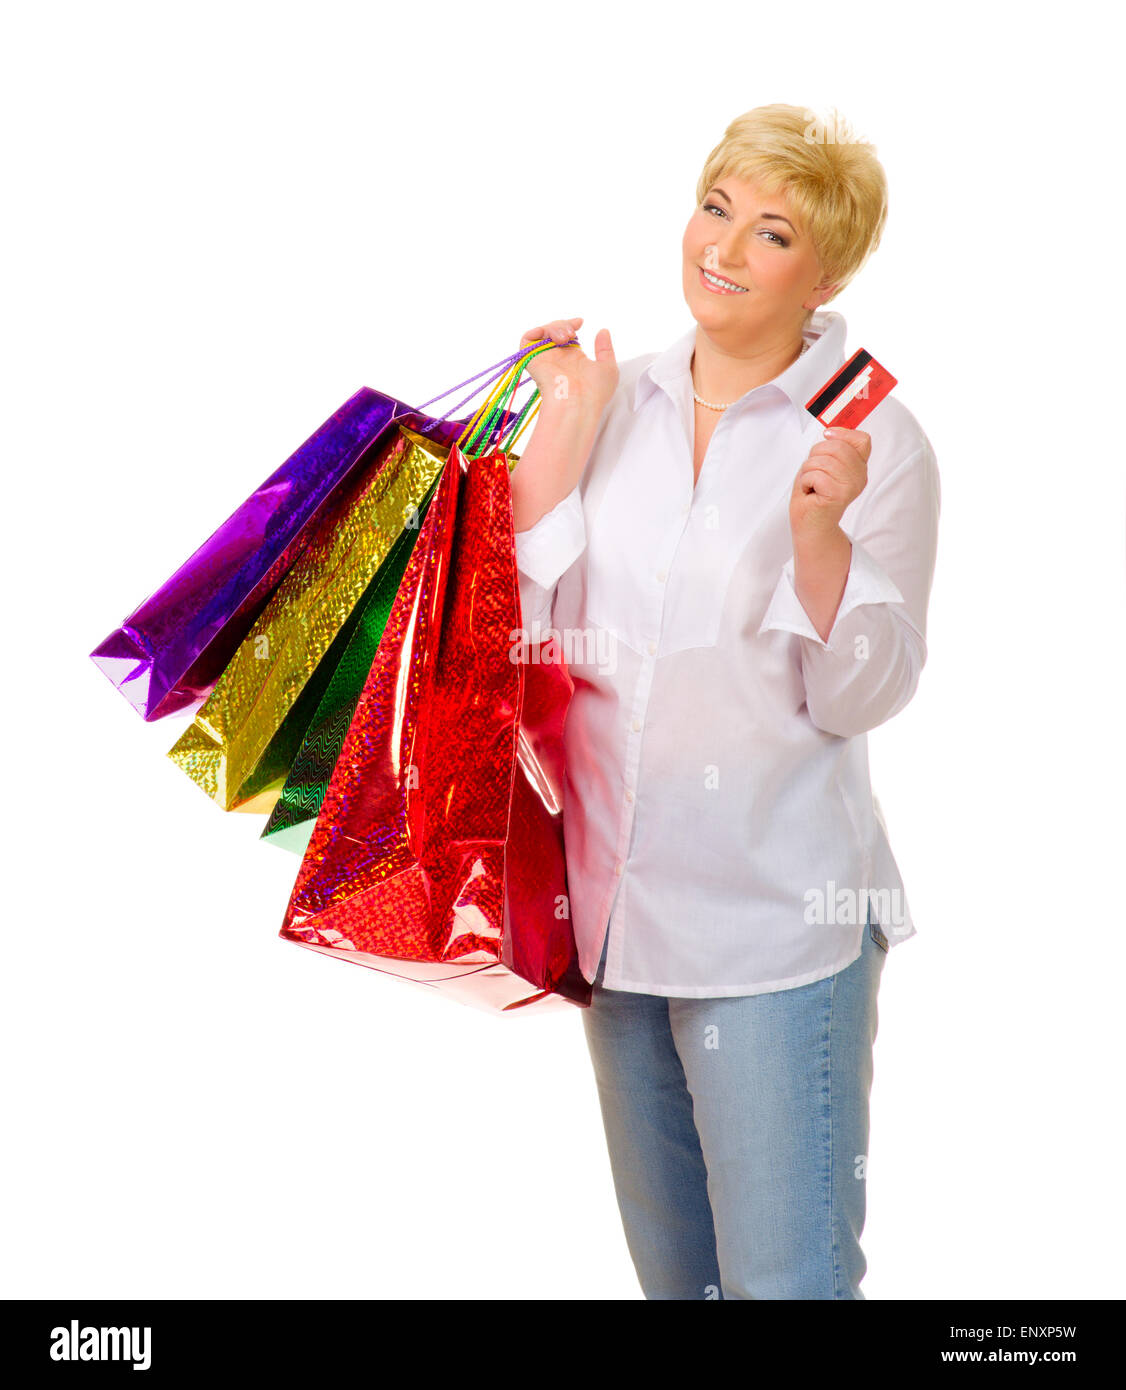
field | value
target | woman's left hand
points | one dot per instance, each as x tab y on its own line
834	474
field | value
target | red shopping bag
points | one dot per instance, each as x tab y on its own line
438	853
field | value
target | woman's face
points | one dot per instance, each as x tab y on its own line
756	241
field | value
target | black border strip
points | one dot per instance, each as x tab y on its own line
830	392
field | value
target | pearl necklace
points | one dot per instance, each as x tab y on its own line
711	405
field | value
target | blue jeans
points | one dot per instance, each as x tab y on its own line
738	1133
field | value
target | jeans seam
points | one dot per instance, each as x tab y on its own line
835	1245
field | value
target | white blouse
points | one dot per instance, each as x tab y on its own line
718	811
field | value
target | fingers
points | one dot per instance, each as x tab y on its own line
559	331
860	440
827	462
842	450
817	480
603	347
837	445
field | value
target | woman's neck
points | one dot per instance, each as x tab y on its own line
721	376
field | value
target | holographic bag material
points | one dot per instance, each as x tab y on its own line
437	855
241	744
295	812
168	654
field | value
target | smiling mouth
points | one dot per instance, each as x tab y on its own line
718	285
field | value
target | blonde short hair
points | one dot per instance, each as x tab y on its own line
834	181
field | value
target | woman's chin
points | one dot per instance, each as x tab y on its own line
709	309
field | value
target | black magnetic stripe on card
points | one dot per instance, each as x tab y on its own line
839	382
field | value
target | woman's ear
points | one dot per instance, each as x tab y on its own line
819	294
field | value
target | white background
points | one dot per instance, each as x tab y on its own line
221	220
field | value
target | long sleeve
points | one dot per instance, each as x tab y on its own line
543	554
868	668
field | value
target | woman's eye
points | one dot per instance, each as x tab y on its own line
778	240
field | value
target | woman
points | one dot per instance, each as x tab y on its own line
740	596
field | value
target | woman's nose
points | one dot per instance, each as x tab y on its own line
728	251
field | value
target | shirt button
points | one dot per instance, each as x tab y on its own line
618	870
662	575
636	726
629	796
652	649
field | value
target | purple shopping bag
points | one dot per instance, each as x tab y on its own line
168	654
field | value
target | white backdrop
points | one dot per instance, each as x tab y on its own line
224	219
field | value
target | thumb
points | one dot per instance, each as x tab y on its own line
603	347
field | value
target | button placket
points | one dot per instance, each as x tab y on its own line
655	609
723	540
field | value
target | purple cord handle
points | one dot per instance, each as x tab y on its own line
494	373
169	652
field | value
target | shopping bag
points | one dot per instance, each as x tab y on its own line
295	812
437	855
242	742
169	653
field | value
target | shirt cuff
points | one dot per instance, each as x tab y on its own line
867	583
548	549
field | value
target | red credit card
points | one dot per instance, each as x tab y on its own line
848	396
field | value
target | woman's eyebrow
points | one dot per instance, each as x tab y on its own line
766	216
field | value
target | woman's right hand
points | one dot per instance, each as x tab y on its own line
567	374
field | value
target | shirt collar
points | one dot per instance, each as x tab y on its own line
824	333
